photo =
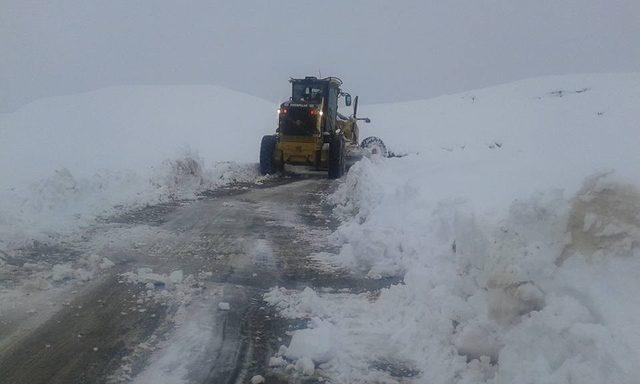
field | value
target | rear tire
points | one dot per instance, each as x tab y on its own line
374	146
267	149
336	157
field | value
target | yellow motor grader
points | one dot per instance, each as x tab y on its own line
312	133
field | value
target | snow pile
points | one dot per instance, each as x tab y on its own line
519	249
57	205
68	159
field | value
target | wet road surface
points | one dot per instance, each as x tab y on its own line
211	326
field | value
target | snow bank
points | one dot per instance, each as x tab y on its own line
67	159
516	225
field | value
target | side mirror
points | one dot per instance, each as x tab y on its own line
347	100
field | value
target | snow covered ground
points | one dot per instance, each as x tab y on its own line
515	221
67	159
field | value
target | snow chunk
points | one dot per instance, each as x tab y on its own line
61	272
277	361
36	283
305	366
316	343
106	263
257	379
474	342
146	275
176	277
291	304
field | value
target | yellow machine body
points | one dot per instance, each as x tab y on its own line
299	150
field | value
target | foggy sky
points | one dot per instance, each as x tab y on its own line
383	50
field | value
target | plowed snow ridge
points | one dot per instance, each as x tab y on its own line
515	221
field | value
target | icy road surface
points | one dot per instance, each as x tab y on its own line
183	303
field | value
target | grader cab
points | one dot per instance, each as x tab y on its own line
312	133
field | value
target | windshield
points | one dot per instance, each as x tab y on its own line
307	92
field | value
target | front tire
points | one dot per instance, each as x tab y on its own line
336	157
267	150
374	146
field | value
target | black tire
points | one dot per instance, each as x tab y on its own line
336	157
375	146
267	148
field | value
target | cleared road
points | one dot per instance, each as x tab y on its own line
235	244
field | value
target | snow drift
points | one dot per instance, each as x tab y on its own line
515	222
67	159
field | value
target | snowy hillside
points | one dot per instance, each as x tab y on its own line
536	133
515	223
66	159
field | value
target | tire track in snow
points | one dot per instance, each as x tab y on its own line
232	246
